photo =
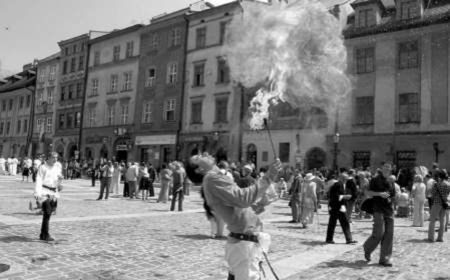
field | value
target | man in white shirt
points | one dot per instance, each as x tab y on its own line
14	163
2	165
48	184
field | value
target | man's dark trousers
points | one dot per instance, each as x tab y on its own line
383	231
105	183
342	217
126	191
180	196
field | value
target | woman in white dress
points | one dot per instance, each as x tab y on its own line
116	178
308	201
418	193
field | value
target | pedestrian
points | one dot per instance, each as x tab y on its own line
36	164
403	204
165	178
178	177
246	243
430	182
295	192
132	177
144	180
418	194
116	178
308	200
47	188
126	190
337	209
27	163
246	179
351	189
2	165
440	193
152	179
13	166
383	194
105	183
282	188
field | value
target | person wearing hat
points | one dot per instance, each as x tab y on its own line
295	192
308	200
105	184
246	243
337	209
246	179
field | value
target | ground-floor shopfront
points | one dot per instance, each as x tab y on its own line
66	147
13	147
404	150
156	148
305	149
41	146
222	145
108	143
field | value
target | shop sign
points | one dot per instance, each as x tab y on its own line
121	148
96	139
193	138
156	140
157	155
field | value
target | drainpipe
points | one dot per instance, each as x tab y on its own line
83	102
31	120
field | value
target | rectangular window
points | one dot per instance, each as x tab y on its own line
11	104
223	29
66	51
94	88
69	120
8	127
65	67
50	95
81	63
124	114
200	40
169	110
364	110
408	111
96	58
19	127
110	114
74	47
92	117
175	37
361	159
114	83
79	90
409	9
366	18
52	74
77	119
154	42
221	109
223	72
63	93
73	64
1	128
49	127
25	126
40	97
21	102
42	75
62	119
151	77
172	70
196	112
364	60
116	53
147	112
127	81
4	105
39	125
130	48
284	151
70	92
408	53
199	74
28	101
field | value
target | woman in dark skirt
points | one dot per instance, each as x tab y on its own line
26	165
144	180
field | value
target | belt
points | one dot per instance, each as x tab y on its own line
244	237
49	188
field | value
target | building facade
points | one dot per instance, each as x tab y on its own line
110	100
399	53
212	103
16	111
44	106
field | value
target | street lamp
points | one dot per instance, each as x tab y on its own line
336	144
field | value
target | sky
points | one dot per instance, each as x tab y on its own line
30	29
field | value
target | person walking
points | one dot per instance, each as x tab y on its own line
440	193
105	183
337	209
178	178
308	200
144	180
132	177
152	179
429	182
126	190
295	192
48	185
418	194
383	194
165	178
27	164
351	189
246	243
115	181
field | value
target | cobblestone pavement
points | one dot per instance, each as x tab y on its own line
135	239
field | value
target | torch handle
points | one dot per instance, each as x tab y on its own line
270	137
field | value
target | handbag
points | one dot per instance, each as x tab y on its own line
367	206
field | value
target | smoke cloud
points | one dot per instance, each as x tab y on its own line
296	50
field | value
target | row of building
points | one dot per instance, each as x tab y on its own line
162	91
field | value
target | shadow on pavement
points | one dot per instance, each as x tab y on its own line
314	243
195	236
418	240
355	265
16	238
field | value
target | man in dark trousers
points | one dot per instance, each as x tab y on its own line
48	206
351	189
337	209
152	178
178	176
